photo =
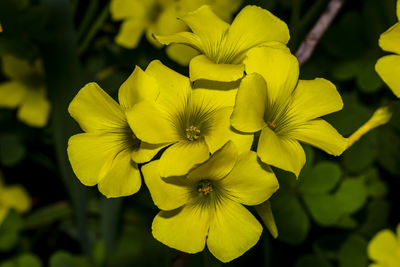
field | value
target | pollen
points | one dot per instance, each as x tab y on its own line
271	124
192	133
205	187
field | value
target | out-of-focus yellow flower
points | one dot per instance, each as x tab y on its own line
195	123
25	90
13	197
108	152
384	249
205	206
160	17
222	46
388	67
286	110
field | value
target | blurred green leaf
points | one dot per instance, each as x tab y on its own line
375	186
353	115
65	259
347	70
353	252
323	208
351	195
9	230
389	147
312	261
368	80
362	154
286	206
46	215
376	217
321	179
28	260
12	151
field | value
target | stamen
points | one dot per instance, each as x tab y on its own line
271	124
192	133
205	187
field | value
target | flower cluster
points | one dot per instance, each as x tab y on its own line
25	90
159	17
388	67
243	91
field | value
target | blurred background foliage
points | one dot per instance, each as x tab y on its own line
325	218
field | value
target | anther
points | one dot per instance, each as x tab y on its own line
192	133
271	124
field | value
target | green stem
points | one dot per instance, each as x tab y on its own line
94	29
87	19
63	80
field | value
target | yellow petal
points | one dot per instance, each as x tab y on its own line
151	124
222	132
185	38
281	152
314	98
217	166
95	110
388	68
254	26
174	87
16	68
91	155
218	94
279	69
383	248
138	87
181	53
205	24
16	197
233	231
184	229
130	33
178	159
220	98
11	94
167	193
35	108
251	181
390	40
264	210
251	99
123	178
321	134
145	152
121	9
398	9
201	67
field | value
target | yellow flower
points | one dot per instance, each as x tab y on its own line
223	46
25	90
160	17
388	67
102	155
13	197
193	122
384	249
205	206
286	110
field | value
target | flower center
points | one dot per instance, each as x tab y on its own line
205	187
192	133
271	124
